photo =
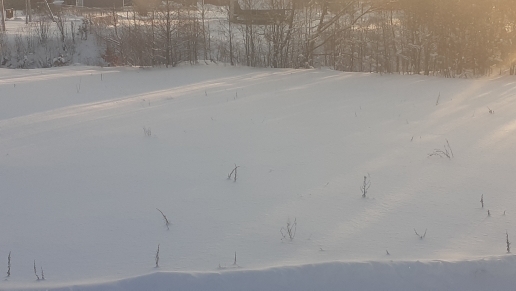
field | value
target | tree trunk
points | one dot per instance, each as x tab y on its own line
168	36
3	14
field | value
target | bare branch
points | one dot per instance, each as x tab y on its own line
365	186
234	171
167	223
290	231
157	257
9	265
420	236
507	242
35	272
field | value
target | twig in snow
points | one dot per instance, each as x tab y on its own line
233	173
445	152
9	265
157	257
35	273
167	223
365	186
420	236
507	242
78	86
290	231
147	131
448	143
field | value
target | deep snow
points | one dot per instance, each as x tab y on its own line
81	182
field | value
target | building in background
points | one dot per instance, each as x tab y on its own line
98	3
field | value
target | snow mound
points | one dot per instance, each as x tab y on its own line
486	274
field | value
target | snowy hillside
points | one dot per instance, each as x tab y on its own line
89	155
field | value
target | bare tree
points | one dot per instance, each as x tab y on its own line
204	30
329	15
2	9
168	31
28	11
60	21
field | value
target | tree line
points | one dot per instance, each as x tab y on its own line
450	38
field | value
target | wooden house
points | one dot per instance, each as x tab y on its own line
99	3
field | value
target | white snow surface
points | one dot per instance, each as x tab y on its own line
81	182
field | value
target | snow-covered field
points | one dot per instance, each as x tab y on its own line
81	182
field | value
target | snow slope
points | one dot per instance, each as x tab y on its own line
81	182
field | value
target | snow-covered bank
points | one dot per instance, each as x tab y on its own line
489	274
81	181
